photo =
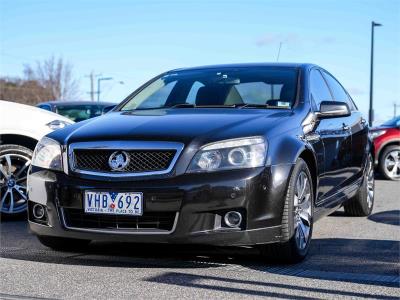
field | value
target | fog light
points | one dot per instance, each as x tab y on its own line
38	211
233	219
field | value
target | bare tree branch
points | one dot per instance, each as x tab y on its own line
56	76
49	80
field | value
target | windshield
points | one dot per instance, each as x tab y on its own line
219	87
393	122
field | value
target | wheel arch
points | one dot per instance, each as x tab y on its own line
372	150
383	147
18	139
308	156
295	148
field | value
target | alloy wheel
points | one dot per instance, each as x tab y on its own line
370	183
392	164
302	210
13	175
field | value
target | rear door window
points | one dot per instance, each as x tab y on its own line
319	89
338	91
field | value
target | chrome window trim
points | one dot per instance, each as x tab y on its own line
124	145
120	231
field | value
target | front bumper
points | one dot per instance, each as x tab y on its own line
197	200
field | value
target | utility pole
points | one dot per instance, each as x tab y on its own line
92	77
98	86
371	82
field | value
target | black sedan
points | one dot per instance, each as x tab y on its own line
77	110
226	155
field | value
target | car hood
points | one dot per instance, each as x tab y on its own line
26	120
179	125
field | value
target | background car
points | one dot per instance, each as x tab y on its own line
77	110
386	139
21	127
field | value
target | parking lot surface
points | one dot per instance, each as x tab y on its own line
350	257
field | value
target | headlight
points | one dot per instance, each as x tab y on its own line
375	134
57	124
47	154
230	154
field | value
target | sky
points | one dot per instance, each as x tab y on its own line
133	41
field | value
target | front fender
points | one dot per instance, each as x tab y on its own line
286	149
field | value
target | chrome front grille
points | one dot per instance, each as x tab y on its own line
145	158
139	160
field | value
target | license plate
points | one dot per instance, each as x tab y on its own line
113	203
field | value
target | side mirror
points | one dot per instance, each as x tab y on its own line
333	109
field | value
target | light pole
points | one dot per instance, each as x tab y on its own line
395	106
371	81
98	86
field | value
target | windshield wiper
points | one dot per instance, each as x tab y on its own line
239	105
251	105
255	105
182	105
188	105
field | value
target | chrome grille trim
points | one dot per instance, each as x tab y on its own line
137	160
123	145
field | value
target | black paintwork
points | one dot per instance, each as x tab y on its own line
335	150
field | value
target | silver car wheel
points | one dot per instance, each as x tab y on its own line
370	183
392	164
13	175
302	210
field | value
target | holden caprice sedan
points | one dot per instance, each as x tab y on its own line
226	155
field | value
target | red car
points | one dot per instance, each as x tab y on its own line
386	139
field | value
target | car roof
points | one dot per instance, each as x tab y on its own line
250	65
68	103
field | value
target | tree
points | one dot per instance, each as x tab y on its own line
50	80
23	91
55	75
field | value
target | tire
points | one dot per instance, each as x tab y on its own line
65	244
289	250
390	152
362	203
14	164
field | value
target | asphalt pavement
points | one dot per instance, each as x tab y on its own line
350	258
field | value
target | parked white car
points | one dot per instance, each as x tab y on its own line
21	127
